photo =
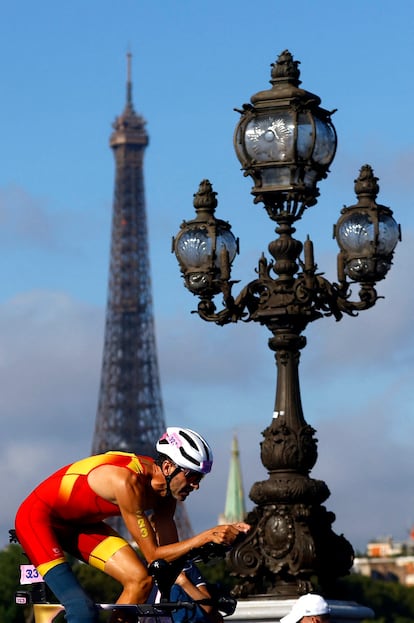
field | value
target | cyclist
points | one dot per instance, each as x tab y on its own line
65	513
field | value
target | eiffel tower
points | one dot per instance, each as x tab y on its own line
130	411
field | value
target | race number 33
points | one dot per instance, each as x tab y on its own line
29	575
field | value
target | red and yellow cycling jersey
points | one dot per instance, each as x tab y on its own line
64	514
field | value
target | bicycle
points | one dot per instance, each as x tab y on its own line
163	573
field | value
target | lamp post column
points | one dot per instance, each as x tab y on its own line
292	538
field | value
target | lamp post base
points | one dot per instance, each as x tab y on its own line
267	610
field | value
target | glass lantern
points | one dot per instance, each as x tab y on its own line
285	141
367	233
205	247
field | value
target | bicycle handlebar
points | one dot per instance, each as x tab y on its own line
149	609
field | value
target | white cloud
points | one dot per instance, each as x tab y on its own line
369	473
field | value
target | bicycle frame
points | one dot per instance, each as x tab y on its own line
145	613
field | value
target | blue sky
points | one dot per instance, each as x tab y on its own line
63	76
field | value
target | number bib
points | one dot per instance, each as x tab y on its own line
29	575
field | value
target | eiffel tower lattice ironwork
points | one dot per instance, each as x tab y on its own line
130	410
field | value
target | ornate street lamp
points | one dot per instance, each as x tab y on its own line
285	141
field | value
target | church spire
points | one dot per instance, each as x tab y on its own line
234	509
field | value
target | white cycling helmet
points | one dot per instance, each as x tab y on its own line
187	449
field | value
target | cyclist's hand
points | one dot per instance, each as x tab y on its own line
242	526
227	533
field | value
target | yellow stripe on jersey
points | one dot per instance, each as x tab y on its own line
85	466
135	464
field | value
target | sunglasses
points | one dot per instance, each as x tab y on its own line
193	477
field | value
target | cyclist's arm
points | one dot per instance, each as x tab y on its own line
130	496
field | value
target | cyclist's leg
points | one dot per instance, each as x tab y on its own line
42	543
125	566
79	608
102	547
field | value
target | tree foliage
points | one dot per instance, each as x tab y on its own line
391	602
10	560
